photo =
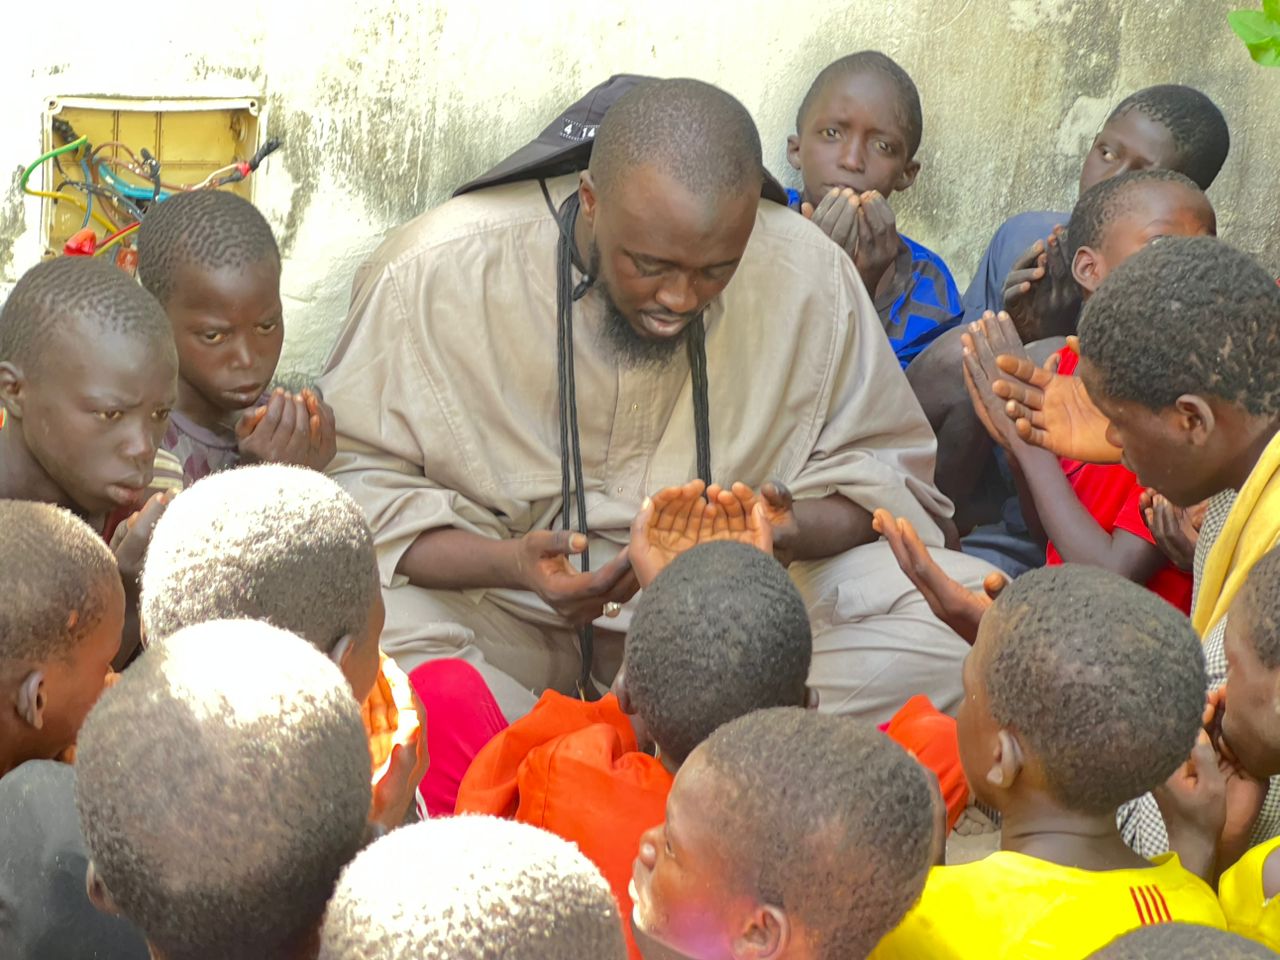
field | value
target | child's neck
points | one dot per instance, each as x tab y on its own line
1041	827
193	405
1262	430
22	478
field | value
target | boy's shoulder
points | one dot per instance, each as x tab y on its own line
1243	893
1009	904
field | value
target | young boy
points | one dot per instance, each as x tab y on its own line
220	805
1092	513
88	375
722	631
1082	690
61	619
857	133
471	888
286	545
791	835
1168	127
1182	941
211	260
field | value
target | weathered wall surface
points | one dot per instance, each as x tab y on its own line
386	105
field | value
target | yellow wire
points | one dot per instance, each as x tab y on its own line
117	238
75	202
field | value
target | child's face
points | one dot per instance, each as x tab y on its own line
229	328
1157	210
1129	142
73	685
853	137
1251	723
682	879
1154	444
94	416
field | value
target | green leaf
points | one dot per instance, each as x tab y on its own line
1268	58
1254	26
1272	9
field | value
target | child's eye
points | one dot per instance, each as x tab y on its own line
831	133
213	336
269	326
884	146
111	416
1107	153
161	414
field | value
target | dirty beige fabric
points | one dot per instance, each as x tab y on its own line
444	385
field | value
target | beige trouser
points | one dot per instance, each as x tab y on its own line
875	641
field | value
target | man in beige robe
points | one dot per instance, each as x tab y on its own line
444	382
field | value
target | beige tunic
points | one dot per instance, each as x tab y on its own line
444	385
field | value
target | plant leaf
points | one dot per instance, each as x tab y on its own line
1254	26
1272	9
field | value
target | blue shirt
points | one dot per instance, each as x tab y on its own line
986	291
917	312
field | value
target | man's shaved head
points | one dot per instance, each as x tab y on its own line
696	133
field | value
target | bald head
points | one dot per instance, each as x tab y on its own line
693	132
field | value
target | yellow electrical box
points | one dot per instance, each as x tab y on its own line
191	138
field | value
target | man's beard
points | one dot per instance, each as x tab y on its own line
628	347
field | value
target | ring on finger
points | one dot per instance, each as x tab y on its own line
612	608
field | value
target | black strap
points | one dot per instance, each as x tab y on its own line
570	443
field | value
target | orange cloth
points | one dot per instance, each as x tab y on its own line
931	738
573	768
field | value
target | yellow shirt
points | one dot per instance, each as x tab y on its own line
1249	912
1015	906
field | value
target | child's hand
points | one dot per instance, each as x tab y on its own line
1040	293
394	793
1054	411
837	216
1177	530
129	542
1193	802
954	604
323	430
983	342
280	432
878	241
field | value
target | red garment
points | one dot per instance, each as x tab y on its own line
1111	494
930	736
462	717
573	768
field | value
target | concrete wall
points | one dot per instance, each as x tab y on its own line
386	105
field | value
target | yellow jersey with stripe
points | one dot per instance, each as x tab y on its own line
1011	905
1249	911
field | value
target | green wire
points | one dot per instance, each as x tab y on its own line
74	144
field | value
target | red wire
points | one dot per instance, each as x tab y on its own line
119	233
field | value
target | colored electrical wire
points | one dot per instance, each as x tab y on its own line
106	193
116	238
122	187
88	179
53	195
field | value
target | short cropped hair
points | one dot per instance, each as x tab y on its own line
808	797
1101	678
66	291
1197	126
222	785
1261	595
907	106
206	229
1182	941
266	542
695	132
472	888
721	632
1189	315
56	581
1103	203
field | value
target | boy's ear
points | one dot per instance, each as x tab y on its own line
1006	762
766	937
907	179
1195	418
793	151
99	895
31	699
1088	269
12	388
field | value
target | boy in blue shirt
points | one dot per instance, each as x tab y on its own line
857	133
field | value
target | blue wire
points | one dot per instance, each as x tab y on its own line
88	205
125	189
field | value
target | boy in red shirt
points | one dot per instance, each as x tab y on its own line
721	632
1091	513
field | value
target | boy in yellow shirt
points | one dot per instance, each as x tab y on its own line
1082	690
